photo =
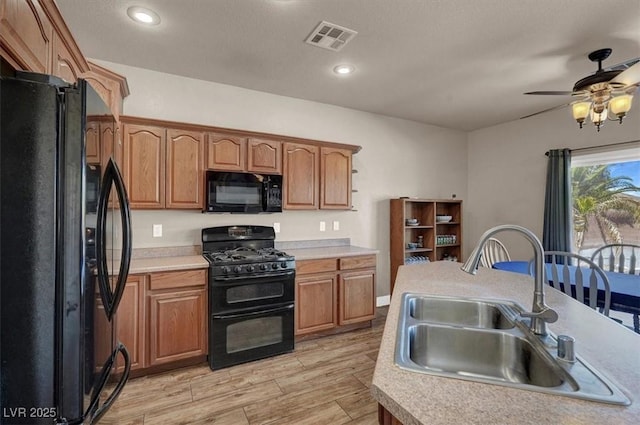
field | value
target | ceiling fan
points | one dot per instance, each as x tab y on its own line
604	93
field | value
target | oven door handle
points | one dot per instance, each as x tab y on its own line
224	279
255	313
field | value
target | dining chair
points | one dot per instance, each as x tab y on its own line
618	257
493	251
572	273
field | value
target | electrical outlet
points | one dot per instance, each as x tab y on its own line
336	225
157	230
323	226
276	227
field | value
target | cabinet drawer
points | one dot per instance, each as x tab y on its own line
178	279
316	266
362	262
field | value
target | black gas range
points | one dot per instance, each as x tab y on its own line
251	295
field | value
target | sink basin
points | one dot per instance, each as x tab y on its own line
489	355
486	341
459	312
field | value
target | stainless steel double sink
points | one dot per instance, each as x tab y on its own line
485	341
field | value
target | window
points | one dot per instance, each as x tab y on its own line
605	197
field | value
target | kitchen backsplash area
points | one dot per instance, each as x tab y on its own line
183	228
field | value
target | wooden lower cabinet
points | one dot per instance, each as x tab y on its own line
162	318
357	297
334	292
316	298
177	325
129	321
177	317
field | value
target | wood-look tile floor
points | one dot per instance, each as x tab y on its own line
324	381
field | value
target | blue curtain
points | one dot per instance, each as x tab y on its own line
557	202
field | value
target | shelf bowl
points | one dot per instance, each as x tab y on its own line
412	222
443	218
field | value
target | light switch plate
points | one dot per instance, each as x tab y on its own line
323	226
276	227
157	230
336	225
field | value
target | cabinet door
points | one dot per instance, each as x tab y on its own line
63	65
184	169
92	138
316	300
109	143
130	321
144	165
226	153
264	156
26	34
177	325
335	179
357	297
300	166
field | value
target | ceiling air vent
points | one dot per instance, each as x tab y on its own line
330	36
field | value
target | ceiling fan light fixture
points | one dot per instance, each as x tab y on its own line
598	118
620	105
580	111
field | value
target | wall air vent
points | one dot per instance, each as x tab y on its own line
330	36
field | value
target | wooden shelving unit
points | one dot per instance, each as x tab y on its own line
439	240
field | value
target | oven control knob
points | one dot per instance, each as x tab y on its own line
250	269
237	269
263	267
283	264
274	266
224	269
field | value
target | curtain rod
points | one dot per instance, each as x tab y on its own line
606	146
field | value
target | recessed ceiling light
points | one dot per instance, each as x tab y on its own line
344	69
142	15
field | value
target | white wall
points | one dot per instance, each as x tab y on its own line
398	158
507	170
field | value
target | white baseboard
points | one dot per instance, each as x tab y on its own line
383	300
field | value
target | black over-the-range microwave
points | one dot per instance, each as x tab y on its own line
236	192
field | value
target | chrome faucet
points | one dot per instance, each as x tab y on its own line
540	314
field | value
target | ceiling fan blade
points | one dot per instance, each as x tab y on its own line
629	77
553	93
546	110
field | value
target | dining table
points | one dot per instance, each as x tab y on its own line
625	288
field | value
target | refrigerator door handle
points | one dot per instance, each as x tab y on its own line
119	386
111	299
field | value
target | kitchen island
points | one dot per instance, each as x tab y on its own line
416	398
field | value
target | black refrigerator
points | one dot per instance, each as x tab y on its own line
65	245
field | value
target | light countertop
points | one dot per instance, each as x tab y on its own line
330	252
416	398
159	264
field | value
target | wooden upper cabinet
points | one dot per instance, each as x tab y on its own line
226	153
300	170
64	65
335	178
144	165
264	156
92	138
26	35
184	180
110	143
111	87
